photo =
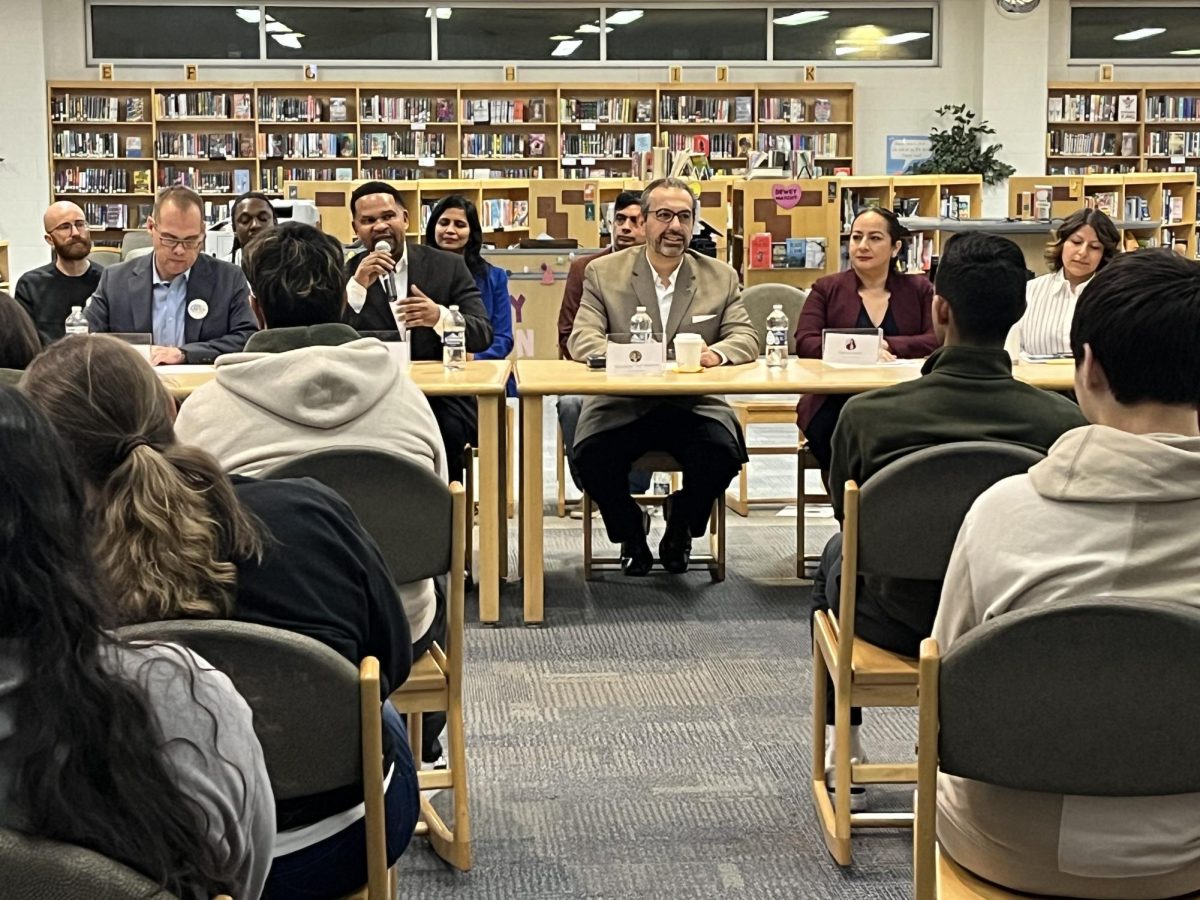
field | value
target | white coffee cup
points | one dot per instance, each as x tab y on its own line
688	347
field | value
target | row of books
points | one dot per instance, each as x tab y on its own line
793	109
1093	108
1173	143
206	181
301	109
508	172
204	104
403	143
501	112
271	178
1092	143
96	107
193	145
305	145
377	108
102	180
1092	169
1172	207
606	109
87	143
398	173
791	253
1108	202
688	108
823	143
604	143
101	216
1167	106
499	212
474	144
579	171
918	254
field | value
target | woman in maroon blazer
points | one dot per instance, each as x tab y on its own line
872	293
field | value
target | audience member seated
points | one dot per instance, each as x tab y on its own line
48	292
142	753
19	341
873	293
1110	512
966	392
1084	243
411	287
628	230
682	292
250	214
175	537
193	306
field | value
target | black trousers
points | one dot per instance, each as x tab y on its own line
708	453
819	431
458	421
892	614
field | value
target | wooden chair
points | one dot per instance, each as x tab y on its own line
759	301
1088	698
714	560
420	525
896	526
285	677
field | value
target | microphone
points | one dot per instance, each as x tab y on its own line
388	281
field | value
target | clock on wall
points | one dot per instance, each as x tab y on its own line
1017	7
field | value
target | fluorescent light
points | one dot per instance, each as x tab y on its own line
1138	34
904	37
566	48
842	51
1193	52
291	39
561	37
590	28
443	12
274	27
624	17
805	17
248	15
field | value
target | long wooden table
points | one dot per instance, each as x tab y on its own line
537	379
484	379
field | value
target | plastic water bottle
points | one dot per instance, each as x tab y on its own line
777	329
454	340
76	322
640	327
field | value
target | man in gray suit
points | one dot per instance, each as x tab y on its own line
194	307
683	292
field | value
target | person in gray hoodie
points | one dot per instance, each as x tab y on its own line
1110	512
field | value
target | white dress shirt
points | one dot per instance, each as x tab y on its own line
356	294
1045	329
665	290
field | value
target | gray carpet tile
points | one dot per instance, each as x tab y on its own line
653	739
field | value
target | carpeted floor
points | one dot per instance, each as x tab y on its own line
653	739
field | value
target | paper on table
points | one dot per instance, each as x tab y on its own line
1039	359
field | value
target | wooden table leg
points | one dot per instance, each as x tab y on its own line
491	452
531	505
502	487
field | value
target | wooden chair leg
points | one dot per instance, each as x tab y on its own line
510	455
837	840
469	490
801	503
586	506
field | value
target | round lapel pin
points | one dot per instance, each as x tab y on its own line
197	309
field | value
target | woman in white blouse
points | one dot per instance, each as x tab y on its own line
1083	244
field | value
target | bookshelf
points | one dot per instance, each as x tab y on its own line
5	277
114	144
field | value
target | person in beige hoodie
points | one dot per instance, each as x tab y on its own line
1111	512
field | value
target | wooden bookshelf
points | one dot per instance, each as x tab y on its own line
5	276
226	138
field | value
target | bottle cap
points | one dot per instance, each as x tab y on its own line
75	309
641	309
454	308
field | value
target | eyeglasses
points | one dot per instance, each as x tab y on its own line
666	215
192	243
66	227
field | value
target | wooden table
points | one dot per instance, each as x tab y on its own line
540	378
484	379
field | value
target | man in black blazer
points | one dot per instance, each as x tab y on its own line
424	283
194	307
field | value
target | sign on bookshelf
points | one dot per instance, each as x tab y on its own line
905	149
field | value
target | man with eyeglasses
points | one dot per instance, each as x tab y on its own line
193	306
628	230
682	291
48	292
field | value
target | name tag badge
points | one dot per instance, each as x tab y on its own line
851	346
635	359
197	309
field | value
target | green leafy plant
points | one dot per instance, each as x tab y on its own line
962	150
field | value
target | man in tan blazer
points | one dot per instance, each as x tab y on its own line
682	292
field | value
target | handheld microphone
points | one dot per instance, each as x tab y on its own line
388	281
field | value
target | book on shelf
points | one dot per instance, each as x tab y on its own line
141	181
1129	143
1105	201
760	250
241	181
243	106
537	145
1176	142
1127	108
135	109
343	173
815	252
520	213
795	251
779	255
133	147
822	110
743	109
802	164
1054	109
1175	213
1042	197
337	109
701	144
480	112
644	110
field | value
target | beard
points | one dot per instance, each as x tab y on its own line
75	249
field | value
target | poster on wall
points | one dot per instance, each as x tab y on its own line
905	149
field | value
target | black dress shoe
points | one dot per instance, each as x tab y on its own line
636	558
675	548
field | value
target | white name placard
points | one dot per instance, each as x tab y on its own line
635	359
851	347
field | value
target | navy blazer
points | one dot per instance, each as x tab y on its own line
834	302
124	303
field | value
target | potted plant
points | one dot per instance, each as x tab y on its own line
961	149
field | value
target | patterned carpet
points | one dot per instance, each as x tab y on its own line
653	739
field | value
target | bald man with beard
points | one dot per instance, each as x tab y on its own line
49	292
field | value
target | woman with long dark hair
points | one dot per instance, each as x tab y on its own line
142	753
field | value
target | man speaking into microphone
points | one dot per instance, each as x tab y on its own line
409	288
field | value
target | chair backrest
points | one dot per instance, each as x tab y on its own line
759	300
135	240
104	256
405	507
36	869
1092	697
290	682
136	252
910	511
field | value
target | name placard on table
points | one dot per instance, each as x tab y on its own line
635	359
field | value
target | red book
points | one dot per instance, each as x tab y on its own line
760	250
